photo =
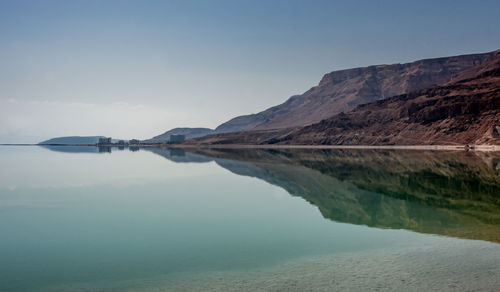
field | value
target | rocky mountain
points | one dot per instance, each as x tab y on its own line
341	91
188	132
253	121
465	110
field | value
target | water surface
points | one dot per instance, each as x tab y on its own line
157	219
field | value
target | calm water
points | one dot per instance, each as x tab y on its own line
87	219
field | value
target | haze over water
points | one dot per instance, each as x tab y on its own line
157	219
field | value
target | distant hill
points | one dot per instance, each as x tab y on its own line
343	90
73	140
76	140
188	132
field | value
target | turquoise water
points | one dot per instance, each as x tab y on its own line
88	220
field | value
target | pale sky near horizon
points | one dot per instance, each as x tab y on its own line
134	69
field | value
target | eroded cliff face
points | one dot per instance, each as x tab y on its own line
343	90
465	110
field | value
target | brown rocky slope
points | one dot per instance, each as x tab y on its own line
343	90
463	111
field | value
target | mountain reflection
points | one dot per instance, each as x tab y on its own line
454	193
447	193
81	149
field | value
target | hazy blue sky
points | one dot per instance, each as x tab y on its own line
137	68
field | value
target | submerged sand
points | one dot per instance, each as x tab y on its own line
437	264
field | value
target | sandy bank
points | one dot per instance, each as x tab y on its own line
395	147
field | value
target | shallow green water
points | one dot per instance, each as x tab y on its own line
161	219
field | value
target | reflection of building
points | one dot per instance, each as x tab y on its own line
177	138
104	149
104	141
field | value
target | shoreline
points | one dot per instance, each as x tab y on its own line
486	148
382	147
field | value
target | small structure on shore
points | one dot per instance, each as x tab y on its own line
104	141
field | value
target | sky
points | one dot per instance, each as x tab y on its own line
135	69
